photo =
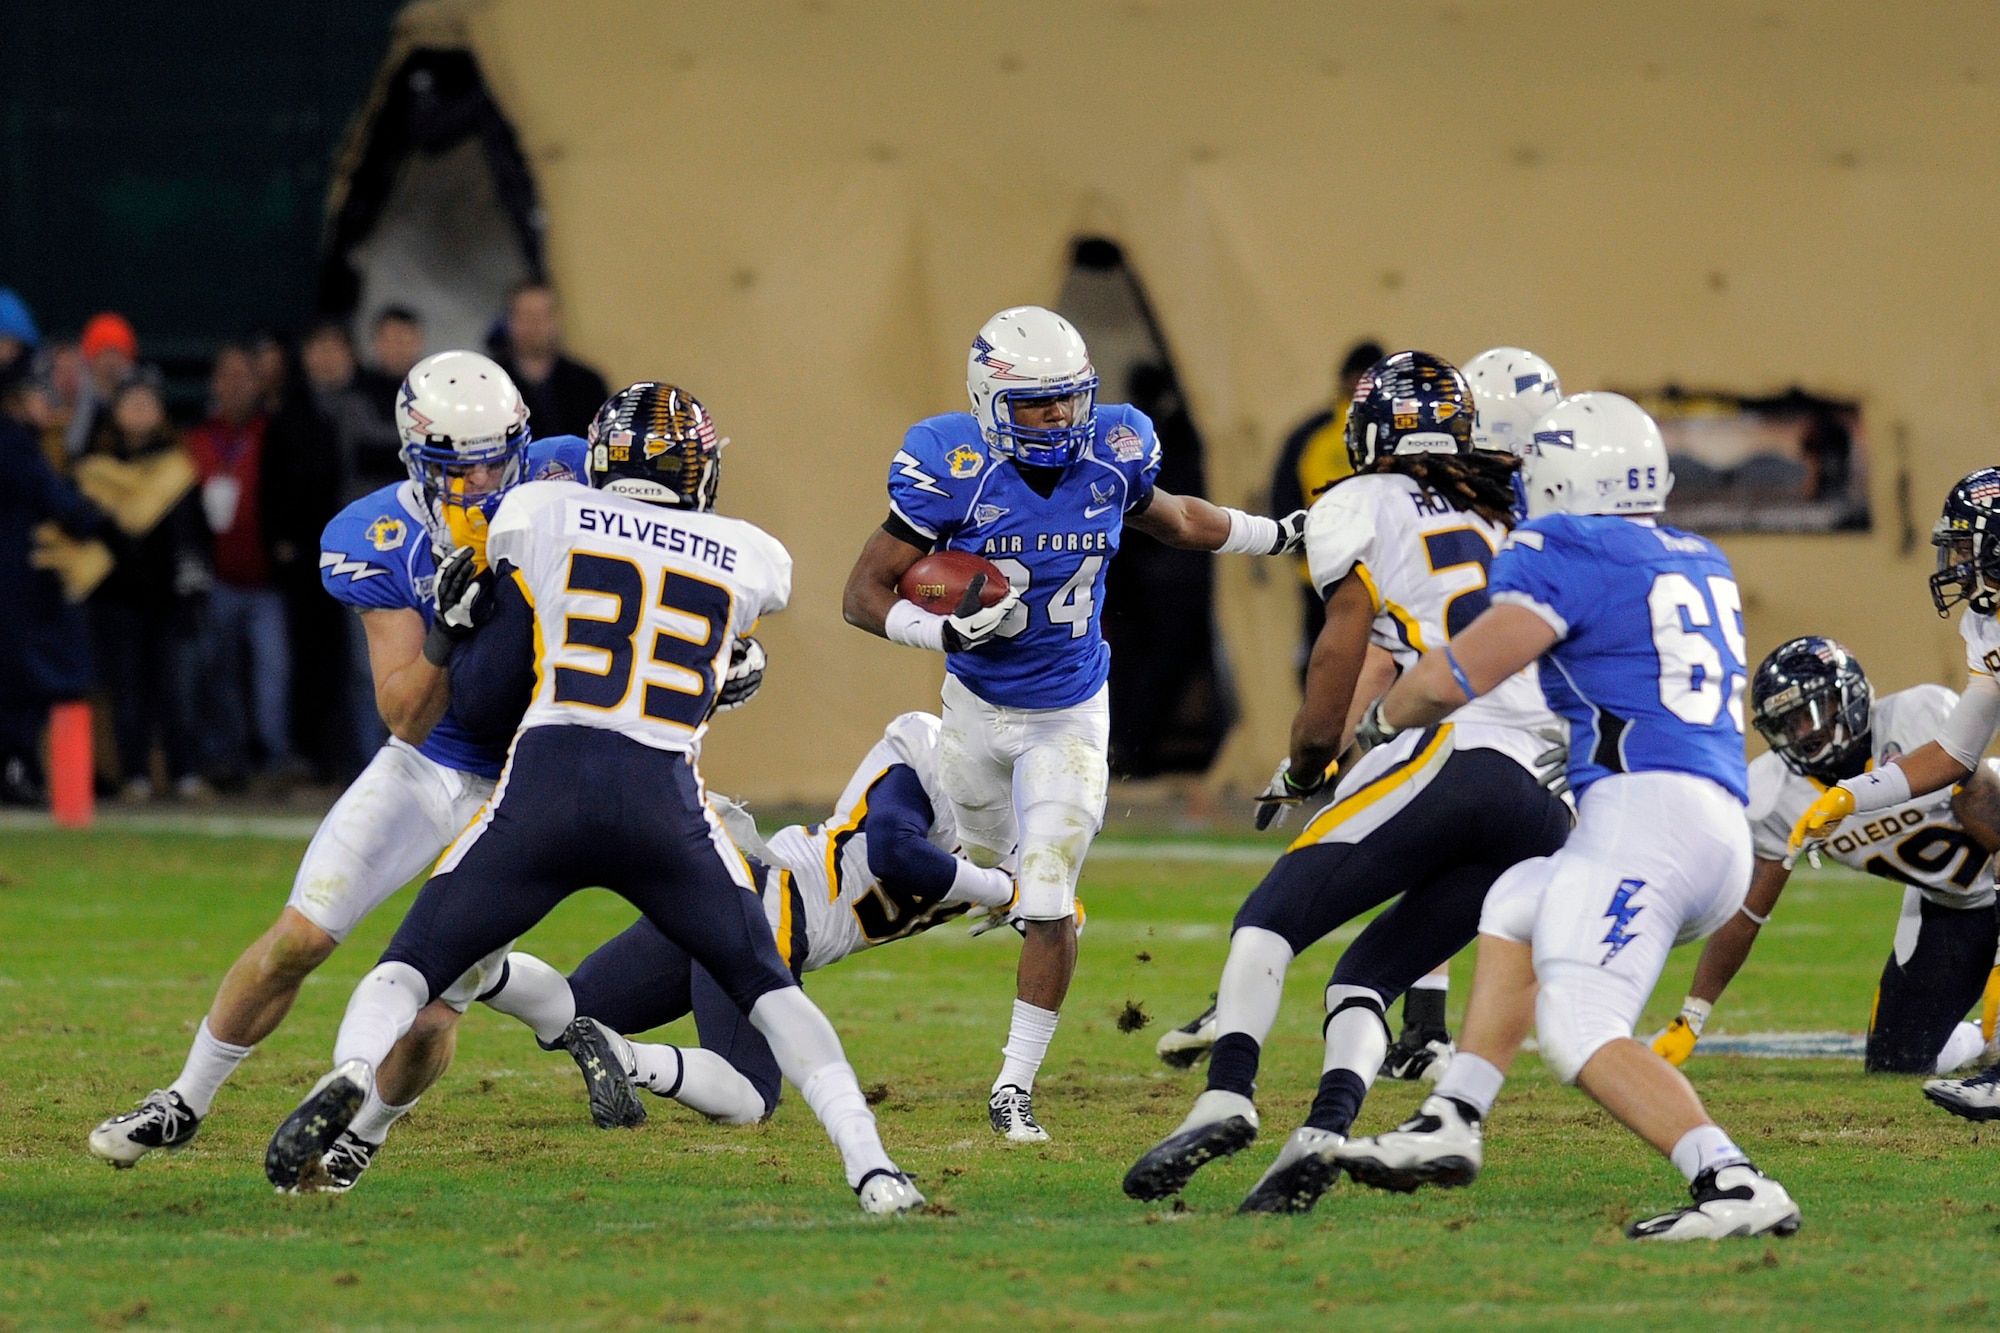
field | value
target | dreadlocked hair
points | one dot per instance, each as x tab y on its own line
1481	482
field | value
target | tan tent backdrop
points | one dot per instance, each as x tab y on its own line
802	211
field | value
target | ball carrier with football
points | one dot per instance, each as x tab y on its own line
1036	482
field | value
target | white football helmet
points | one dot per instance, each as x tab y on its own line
1596	453
1030	355
1512	389
455	412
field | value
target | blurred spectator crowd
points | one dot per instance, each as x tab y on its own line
169	570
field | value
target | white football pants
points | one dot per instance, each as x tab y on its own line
1028	783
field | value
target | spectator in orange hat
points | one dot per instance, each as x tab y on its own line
110	349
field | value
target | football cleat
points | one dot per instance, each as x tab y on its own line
606	1074
1735	1200
1419	1054
1189	1044
1439	1145
293	1161
345	1161
886	1193
1306	1168
1220	1123
1975	1098
163	1120
1012	1111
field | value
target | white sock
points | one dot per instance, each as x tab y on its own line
209	1064
808	1053
378	1014
1253	982
536	994
1357	1037
1474	1081
372	1121
1028	1038
1701	1148
1432	981
1961	1047
699	1080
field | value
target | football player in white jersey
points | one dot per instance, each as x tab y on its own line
879	868
464	432
1967	538
1824	723
1041	480
614	614
1399	550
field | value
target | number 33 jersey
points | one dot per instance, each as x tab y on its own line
1424	566
635	606
1917	842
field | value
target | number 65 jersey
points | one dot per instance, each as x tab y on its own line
1918	842
635	606
1424	566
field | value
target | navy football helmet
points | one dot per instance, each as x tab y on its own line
1967	537
1813	704
1409	403
654	442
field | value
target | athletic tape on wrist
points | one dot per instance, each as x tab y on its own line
911	625
1249	534
1879	789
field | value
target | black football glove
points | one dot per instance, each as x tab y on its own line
1283	792
1291	533
745	674
461	601
972	624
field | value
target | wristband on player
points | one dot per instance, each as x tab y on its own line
911	625
1879	788
1458	674
1249	534
1696	1013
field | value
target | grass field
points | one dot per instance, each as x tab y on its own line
497	1204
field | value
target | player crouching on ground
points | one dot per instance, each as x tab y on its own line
880	868
1040	480
614	615
1641	628
1967	538
464	432
1814	705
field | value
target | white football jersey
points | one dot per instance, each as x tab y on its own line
1982	643
636	606
1424	565
1917	842
845	909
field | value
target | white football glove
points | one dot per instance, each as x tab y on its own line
972	624
1552	764
1283	792
1291	533
459	603
745	674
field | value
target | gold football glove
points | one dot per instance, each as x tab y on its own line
1676	1044
1821	818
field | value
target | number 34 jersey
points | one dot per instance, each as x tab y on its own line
1424	566
636	606
1917	842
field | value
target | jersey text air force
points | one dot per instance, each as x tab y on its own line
1648	666
635	606
955	496
375	555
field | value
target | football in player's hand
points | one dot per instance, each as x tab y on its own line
938	582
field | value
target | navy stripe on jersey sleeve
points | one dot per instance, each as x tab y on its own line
900	852
493	671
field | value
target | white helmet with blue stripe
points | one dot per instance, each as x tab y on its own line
1512	389
1596	453
1028	357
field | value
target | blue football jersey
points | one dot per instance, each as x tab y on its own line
1649	667
375	555
946	486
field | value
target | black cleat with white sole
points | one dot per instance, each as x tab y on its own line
163	1120
345	1161
1734	1200
1439	1145
1221	1123
1306	1168
1976	1098
293	1161
1189	1044
613	1103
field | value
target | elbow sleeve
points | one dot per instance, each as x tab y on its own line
1969	730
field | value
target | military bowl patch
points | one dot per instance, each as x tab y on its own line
1125	444
555	470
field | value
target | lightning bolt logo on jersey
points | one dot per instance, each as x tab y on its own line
374	557
1053	549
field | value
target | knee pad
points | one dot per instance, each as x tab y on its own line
1573	1024
1340	999
1055	837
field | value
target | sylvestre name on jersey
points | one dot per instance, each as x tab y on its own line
651	532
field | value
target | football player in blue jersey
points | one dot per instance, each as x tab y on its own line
1639	631
1040	480
465	442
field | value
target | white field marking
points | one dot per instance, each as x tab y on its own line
1776	1045
1226	853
